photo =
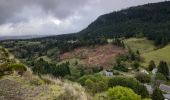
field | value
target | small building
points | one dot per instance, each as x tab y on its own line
149	88
166	96
144	71
108	73
154	71
164	88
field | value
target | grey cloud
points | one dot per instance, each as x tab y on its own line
39	17
60	8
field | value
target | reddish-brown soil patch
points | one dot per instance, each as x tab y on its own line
99	55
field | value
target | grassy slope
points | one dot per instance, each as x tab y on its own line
31	87
148	51
141	44
158	55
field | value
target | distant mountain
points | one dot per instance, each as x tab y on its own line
21	37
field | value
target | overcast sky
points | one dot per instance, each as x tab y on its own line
49	17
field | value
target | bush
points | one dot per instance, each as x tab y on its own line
18	67
157	95
160	76
94	83
142	77
151	65
5	69
131	83
43	67
163	68
120	66
135	65
122	93
89	84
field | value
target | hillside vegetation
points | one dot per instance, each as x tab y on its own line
115	50
141	44
150	20
26	86
148	50
158	55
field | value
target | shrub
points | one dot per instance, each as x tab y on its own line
120	66
163	68
122	93
157	95
151	65
5	69
142	77
18	67
136	65
89	84
131	83
160	76
94	83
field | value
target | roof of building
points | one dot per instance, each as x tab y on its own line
166	96
165	88
149	88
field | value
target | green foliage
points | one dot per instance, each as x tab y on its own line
131	83
5	69
163	68
157	95
89	84
43	67
143	45
157	55
133	56
146	99
143	78
152	20
122	93
151	65
135	65
18	67
120	66
118	42
160	76
94	83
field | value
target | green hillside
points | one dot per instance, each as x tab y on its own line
148	50
141	44
158	55
27	86
152	20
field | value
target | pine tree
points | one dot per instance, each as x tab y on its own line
157	95
151	65
163	68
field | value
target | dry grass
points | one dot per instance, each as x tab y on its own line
22	88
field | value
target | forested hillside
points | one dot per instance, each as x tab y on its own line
150	20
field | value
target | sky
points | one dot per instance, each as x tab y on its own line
53	17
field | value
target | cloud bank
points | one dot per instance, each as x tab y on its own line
52	17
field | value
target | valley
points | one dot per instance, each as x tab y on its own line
123	55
